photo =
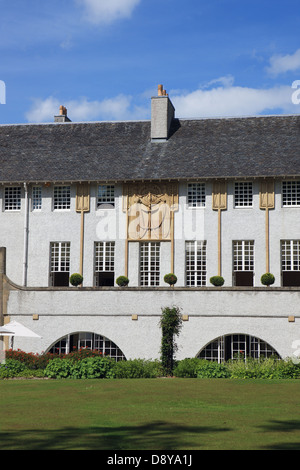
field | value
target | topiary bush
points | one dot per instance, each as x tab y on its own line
76	279
217	281
170	279
122	281
267	279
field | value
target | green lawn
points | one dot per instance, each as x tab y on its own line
150	414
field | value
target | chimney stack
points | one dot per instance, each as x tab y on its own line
62	117
162	114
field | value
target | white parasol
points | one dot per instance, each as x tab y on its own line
15	328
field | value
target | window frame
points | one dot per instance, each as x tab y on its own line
107	199
199	193
242	195
60	260
64	206
106	251
36	198
9	199
149	275
195	277
284	193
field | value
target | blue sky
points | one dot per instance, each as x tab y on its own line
103	59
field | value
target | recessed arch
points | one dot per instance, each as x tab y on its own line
236	346
86	340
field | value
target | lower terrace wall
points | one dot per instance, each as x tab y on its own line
271	314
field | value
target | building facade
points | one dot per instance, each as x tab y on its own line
197	198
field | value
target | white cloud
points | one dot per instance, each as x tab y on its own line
118	108
107	11
284	63
232	100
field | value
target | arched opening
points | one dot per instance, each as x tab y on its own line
87	340
237	346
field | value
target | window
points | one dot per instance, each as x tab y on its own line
59	263
290	193
196	194
243	262
62	197
237	346
243	196
12	198
149	264
290	263
106	195
104	264
36	198
195	263
90	341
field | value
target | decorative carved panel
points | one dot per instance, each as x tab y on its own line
150	208
267	195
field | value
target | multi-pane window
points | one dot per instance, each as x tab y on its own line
195	263
87	340
243	194
104	263
106	195
62	197
243	262
36	198
12	198
59	263
196	195
237	346
290	193
290	262
149	264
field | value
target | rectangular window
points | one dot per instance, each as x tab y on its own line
36	198
243	194
12	198
195	263
290	263
62	197
59	263
149	264
104	274
290	193
196	195
243	262
106	196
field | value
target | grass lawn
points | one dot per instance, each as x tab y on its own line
150	414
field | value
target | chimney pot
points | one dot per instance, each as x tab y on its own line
62	117
160	90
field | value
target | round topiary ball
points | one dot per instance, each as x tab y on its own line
76	279
170	279
122	281
267	279
217	281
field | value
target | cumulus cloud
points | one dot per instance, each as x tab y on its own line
107	11
284	63
230	100
119	108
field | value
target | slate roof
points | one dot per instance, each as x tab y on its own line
117	151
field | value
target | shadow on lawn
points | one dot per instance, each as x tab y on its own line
283	427
153	436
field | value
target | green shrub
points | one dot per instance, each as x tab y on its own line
217	281
137	368
122	281
211	370
267	279
59	368
187	367
93	368
76	279
11	368
170	279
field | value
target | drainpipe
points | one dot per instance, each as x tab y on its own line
25	253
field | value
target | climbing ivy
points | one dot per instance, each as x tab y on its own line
170	323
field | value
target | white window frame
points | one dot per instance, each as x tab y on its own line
243	194
12	198
196	195
104	256
290	255
36	199
149	264
61	197
290	191
60	257
195	263
243	255
105	196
